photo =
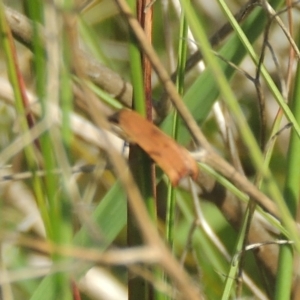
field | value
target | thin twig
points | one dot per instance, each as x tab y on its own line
125	257
41	173
269	9
258	245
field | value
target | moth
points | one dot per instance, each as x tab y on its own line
172	158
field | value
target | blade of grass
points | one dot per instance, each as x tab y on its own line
53	149
16	80
105	97
171	193
182	53
291	195
140	164
136	71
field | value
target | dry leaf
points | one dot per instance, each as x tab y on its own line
172	158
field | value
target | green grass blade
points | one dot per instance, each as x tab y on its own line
182	52
291	192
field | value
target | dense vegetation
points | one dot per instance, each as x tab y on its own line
211	213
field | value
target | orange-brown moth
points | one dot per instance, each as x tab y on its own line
172	158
